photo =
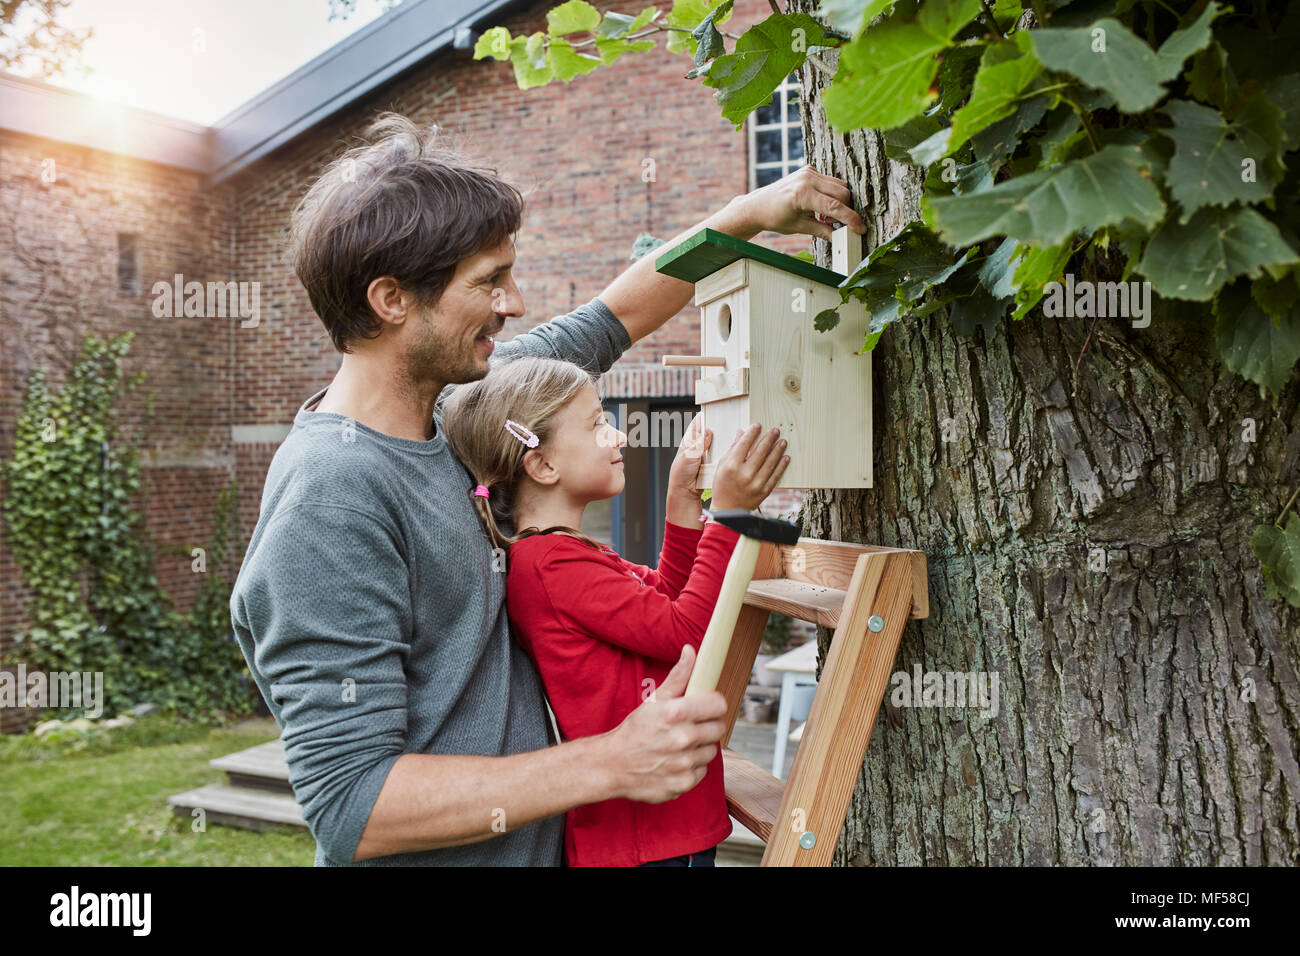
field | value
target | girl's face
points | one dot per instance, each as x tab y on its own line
587	450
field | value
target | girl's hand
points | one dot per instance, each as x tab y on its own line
690	456
683	498
749	470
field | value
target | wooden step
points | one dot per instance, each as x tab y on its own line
797	599
753	794
259	768
239	807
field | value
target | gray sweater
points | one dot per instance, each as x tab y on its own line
374	624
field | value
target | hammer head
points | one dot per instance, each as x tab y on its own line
760	526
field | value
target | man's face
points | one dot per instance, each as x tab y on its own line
452	341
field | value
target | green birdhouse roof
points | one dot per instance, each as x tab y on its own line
709	250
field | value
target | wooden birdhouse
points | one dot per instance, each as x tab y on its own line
762	361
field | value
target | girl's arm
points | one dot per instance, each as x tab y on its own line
675	559
594	597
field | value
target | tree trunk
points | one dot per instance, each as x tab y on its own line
1087	522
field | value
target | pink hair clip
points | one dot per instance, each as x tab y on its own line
527	437
481	491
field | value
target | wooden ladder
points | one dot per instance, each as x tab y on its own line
867	594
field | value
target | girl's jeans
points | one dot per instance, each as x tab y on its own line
704	858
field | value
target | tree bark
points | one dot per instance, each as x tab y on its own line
1087	524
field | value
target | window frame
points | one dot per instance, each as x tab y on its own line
785	165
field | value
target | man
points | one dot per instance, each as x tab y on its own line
370	606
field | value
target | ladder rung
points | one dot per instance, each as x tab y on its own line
806	602
753	794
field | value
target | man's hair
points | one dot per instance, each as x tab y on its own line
398	206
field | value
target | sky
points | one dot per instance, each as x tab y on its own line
200	59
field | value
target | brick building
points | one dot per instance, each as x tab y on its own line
100	203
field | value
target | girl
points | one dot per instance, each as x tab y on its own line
602	632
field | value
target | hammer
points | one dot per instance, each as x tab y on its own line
753	529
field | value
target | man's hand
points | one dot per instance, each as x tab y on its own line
663	748
804	201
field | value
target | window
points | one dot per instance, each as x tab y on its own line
776	136
633	522
127	271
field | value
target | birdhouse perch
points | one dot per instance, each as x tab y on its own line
762	361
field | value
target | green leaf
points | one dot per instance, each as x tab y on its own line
611	49
994	146
566	63
897	274
957	68
825	320
1211	157
1062	132
851	16
1184	42
1251	343
688	14
1276	296
708	41
644	18
1039	266
929	150
620	24
494	43
886	74
1210	79
764	56
1046	207
1106	55
575	16
1283	92
996	274
976	310
900	140
1005	74
1278	552
1193	260
528	55
614	24
805	255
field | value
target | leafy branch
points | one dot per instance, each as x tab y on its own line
1160	134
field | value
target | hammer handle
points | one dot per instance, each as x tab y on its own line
717	638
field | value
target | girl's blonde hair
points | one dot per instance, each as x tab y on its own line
527	391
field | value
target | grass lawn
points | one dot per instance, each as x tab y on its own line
111	809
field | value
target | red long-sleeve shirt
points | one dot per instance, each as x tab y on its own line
603	633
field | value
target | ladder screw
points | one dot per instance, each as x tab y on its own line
807	840
875	623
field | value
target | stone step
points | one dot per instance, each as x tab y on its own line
242	807
258	768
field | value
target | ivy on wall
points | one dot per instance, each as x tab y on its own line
83	550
